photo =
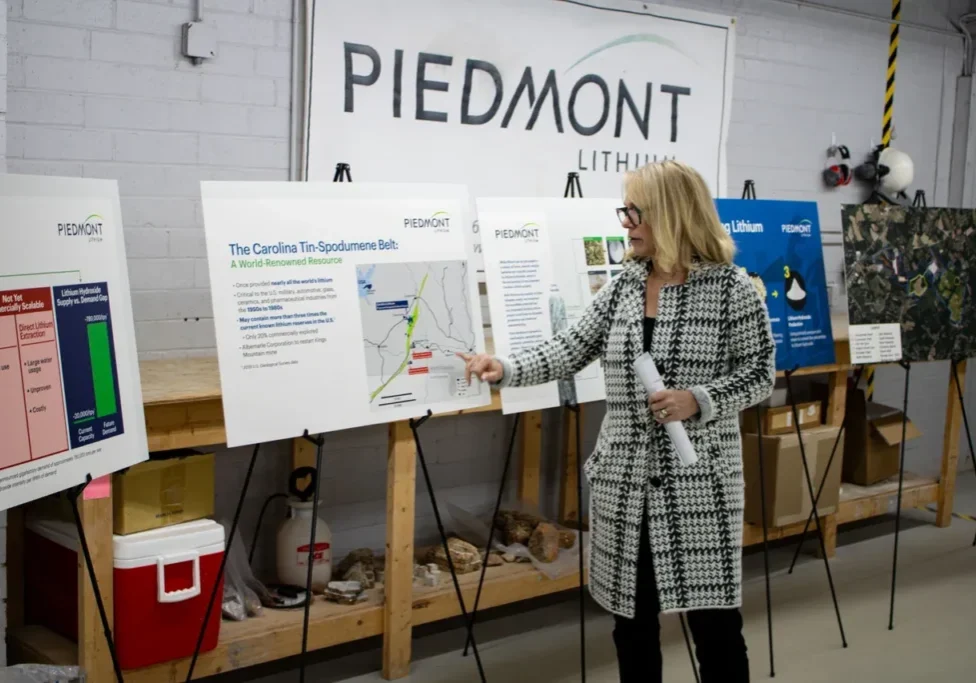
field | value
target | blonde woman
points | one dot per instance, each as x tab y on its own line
666	538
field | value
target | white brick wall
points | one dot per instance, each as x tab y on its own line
99	89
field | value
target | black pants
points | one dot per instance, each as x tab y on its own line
719	645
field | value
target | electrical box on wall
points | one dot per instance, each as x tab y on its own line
199	41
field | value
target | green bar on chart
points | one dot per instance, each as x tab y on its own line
103	378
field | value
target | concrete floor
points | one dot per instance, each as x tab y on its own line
935	621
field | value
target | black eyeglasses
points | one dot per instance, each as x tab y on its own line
631	213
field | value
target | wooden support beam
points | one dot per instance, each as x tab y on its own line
401	493
93	652
837	403
950	448
529	476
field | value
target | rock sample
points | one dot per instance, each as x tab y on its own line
494	559
359	565
518	531
465	557
544	543
345	592
567	539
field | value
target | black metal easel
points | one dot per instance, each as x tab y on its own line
415	425
491	532
813	500
223	563
73	493
575	191
319	443
901	485
749	192
341	174
830	460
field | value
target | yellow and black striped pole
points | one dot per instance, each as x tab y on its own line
886	124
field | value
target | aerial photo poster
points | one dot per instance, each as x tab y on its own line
909	270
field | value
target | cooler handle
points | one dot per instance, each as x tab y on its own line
180	595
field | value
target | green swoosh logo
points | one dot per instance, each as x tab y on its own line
633	38
529	225
94	215
439	213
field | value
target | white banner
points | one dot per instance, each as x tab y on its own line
507	96
336	313
70	397
545	260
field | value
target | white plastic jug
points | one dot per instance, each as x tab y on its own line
293	540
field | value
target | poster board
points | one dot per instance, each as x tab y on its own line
778	244
337	313
545	260
510	95
70	397
909	275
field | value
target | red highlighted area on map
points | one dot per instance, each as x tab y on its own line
32	416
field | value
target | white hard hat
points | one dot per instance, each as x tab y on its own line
901	171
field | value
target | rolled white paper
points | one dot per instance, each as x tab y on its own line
651	379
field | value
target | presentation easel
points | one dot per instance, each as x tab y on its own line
575	415
749	192
342	174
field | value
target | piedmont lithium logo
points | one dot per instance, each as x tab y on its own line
804	227
742	226
528	232
440	221
634	38
90	227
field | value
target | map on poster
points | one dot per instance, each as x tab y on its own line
545	260
416	318
70	398
353	313
909	274
779	246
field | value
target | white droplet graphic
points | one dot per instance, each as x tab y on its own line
796	292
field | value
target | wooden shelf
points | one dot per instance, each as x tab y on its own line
275	634
504	585
864	502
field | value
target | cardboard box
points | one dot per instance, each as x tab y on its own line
787	496
780	420
160	493
872	444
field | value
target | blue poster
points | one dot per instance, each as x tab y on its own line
779	247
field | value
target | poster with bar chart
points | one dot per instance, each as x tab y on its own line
68	364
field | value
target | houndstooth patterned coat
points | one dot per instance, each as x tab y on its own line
712	336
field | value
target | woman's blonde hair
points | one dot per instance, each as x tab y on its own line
675	203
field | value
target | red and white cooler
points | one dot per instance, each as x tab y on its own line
163	581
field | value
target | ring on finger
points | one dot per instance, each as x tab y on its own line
663	414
